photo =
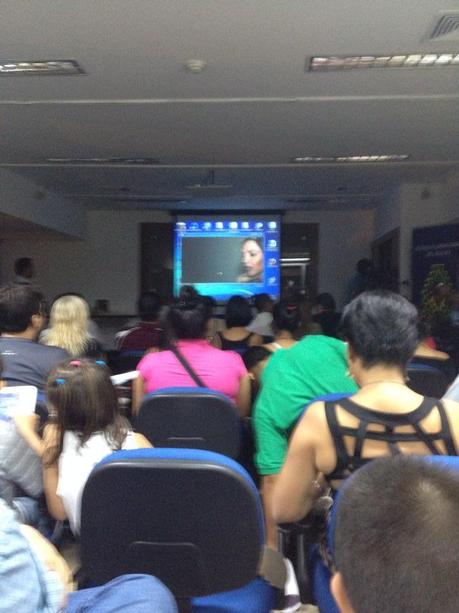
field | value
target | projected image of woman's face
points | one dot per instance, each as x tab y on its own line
252	259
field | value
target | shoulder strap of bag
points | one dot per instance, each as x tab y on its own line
181	358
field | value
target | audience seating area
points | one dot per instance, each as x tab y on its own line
186	510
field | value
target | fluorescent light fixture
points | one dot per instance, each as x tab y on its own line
409	60
133	161
42	67
294	260
357	159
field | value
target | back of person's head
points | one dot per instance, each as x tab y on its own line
396	539
187	292
18	303
82	399
381	328
187	318
149	305
326	301
23	267
254	355
237	312
69	309
263	302
364	266
68	324
287	316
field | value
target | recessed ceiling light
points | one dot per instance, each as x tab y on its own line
45	68
311	159
409	60
133	161
195	66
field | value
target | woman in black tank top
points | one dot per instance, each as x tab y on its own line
238	315
384	417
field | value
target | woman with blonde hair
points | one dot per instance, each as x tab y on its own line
68	327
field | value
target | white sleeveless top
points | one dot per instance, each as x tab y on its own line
76	463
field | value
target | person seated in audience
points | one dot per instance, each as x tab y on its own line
315	366
68	328
286	322
236	337
255	360
35	578
326	315
24	271
384	417
147	334
187	324
21	482
395	541
425	355
22	317
261	324
85	426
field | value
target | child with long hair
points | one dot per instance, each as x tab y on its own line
85	427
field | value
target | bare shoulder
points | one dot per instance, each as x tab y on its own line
141	441
313	418
453	409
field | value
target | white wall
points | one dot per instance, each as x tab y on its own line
388	214
106	264
344	238
23	199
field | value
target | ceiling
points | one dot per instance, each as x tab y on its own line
245	117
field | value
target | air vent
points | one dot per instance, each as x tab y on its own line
209	184
446	28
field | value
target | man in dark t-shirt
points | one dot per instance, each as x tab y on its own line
148	332
22	316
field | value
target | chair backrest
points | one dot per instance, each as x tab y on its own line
426	380
321	574
191	417
126	361
192	518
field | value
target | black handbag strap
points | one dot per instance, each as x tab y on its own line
181	358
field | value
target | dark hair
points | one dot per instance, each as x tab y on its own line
253	355
187	292
237	312
424	329
187	318
17	305
82	399
364	266
396	538
211	304
381	327
255	239
22	265
287	316
261	301
326	301
149	305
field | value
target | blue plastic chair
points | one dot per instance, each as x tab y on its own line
192	518
191	417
